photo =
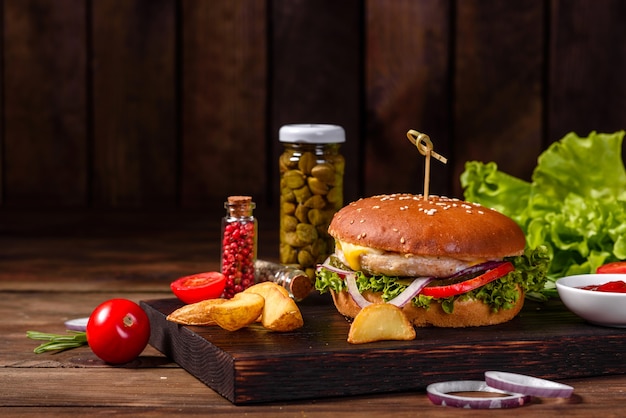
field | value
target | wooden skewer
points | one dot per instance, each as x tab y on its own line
425	147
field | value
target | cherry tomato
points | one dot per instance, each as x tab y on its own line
199	287
616	267
118	331
467	285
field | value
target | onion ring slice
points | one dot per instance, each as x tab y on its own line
77	324
440	394
410	292
527	385
354	291
326	265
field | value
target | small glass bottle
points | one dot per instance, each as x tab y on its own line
239	244
297	283
311	191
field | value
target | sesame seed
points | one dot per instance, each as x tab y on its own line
402	240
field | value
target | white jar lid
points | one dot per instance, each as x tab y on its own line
312	133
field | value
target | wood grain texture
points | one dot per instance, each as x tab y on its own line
44	144
408	71
223	103
498	106
254	365
134	104
173	391
177	103
316	76
587	92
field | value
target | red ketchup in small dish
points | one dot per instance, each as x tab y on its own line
617	286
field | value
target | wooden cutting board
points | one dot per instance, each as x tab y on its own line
254	365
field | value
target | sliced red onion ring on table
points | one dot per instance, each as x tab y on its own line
441	394
528	385
77	324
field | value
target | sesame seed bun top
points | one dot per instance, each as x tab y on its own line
439	226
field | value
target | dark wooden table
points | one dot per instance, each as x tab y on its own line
58	266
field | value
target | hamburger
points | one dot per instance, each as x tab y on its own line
445	262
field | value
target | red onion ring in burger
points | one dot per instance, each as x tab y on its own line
407	294
528	385
477	268
440	394
354	291
411	291
326	265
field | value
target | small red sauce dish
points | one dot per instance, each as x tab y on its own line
598	298
617	286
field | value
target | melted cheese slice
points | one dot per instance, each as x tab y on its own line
352	254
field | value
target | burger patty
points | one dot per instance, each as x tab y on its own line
409	265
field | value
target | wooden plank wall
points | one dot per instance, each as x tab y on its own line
177	103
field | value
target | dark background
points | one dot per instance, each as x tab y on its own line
176	104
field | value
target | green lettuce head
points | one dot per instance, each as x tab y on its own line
575	204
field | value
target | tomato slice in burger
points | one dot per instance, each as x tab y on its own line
468	285
617	267
199	287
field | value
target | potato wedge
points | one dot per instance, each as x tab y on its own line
195	313
262	289
243	309
379	322
281	313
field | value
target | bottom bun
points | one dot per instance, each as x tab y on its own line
467	313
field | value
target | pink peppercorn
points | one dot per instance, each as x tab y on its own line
239	240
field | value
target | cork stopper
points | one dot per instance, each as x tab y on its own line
301	286
239	200
239	206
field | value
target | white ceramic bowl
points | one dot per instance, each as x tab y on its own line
600	308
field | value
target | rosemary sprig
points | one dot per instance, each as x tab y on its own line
58	342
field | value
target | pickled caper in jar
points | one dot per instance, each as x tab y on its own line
302	213
307	162
302	194
294	179
324	172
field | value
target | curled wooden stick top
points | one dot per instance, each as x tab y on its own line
425	147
